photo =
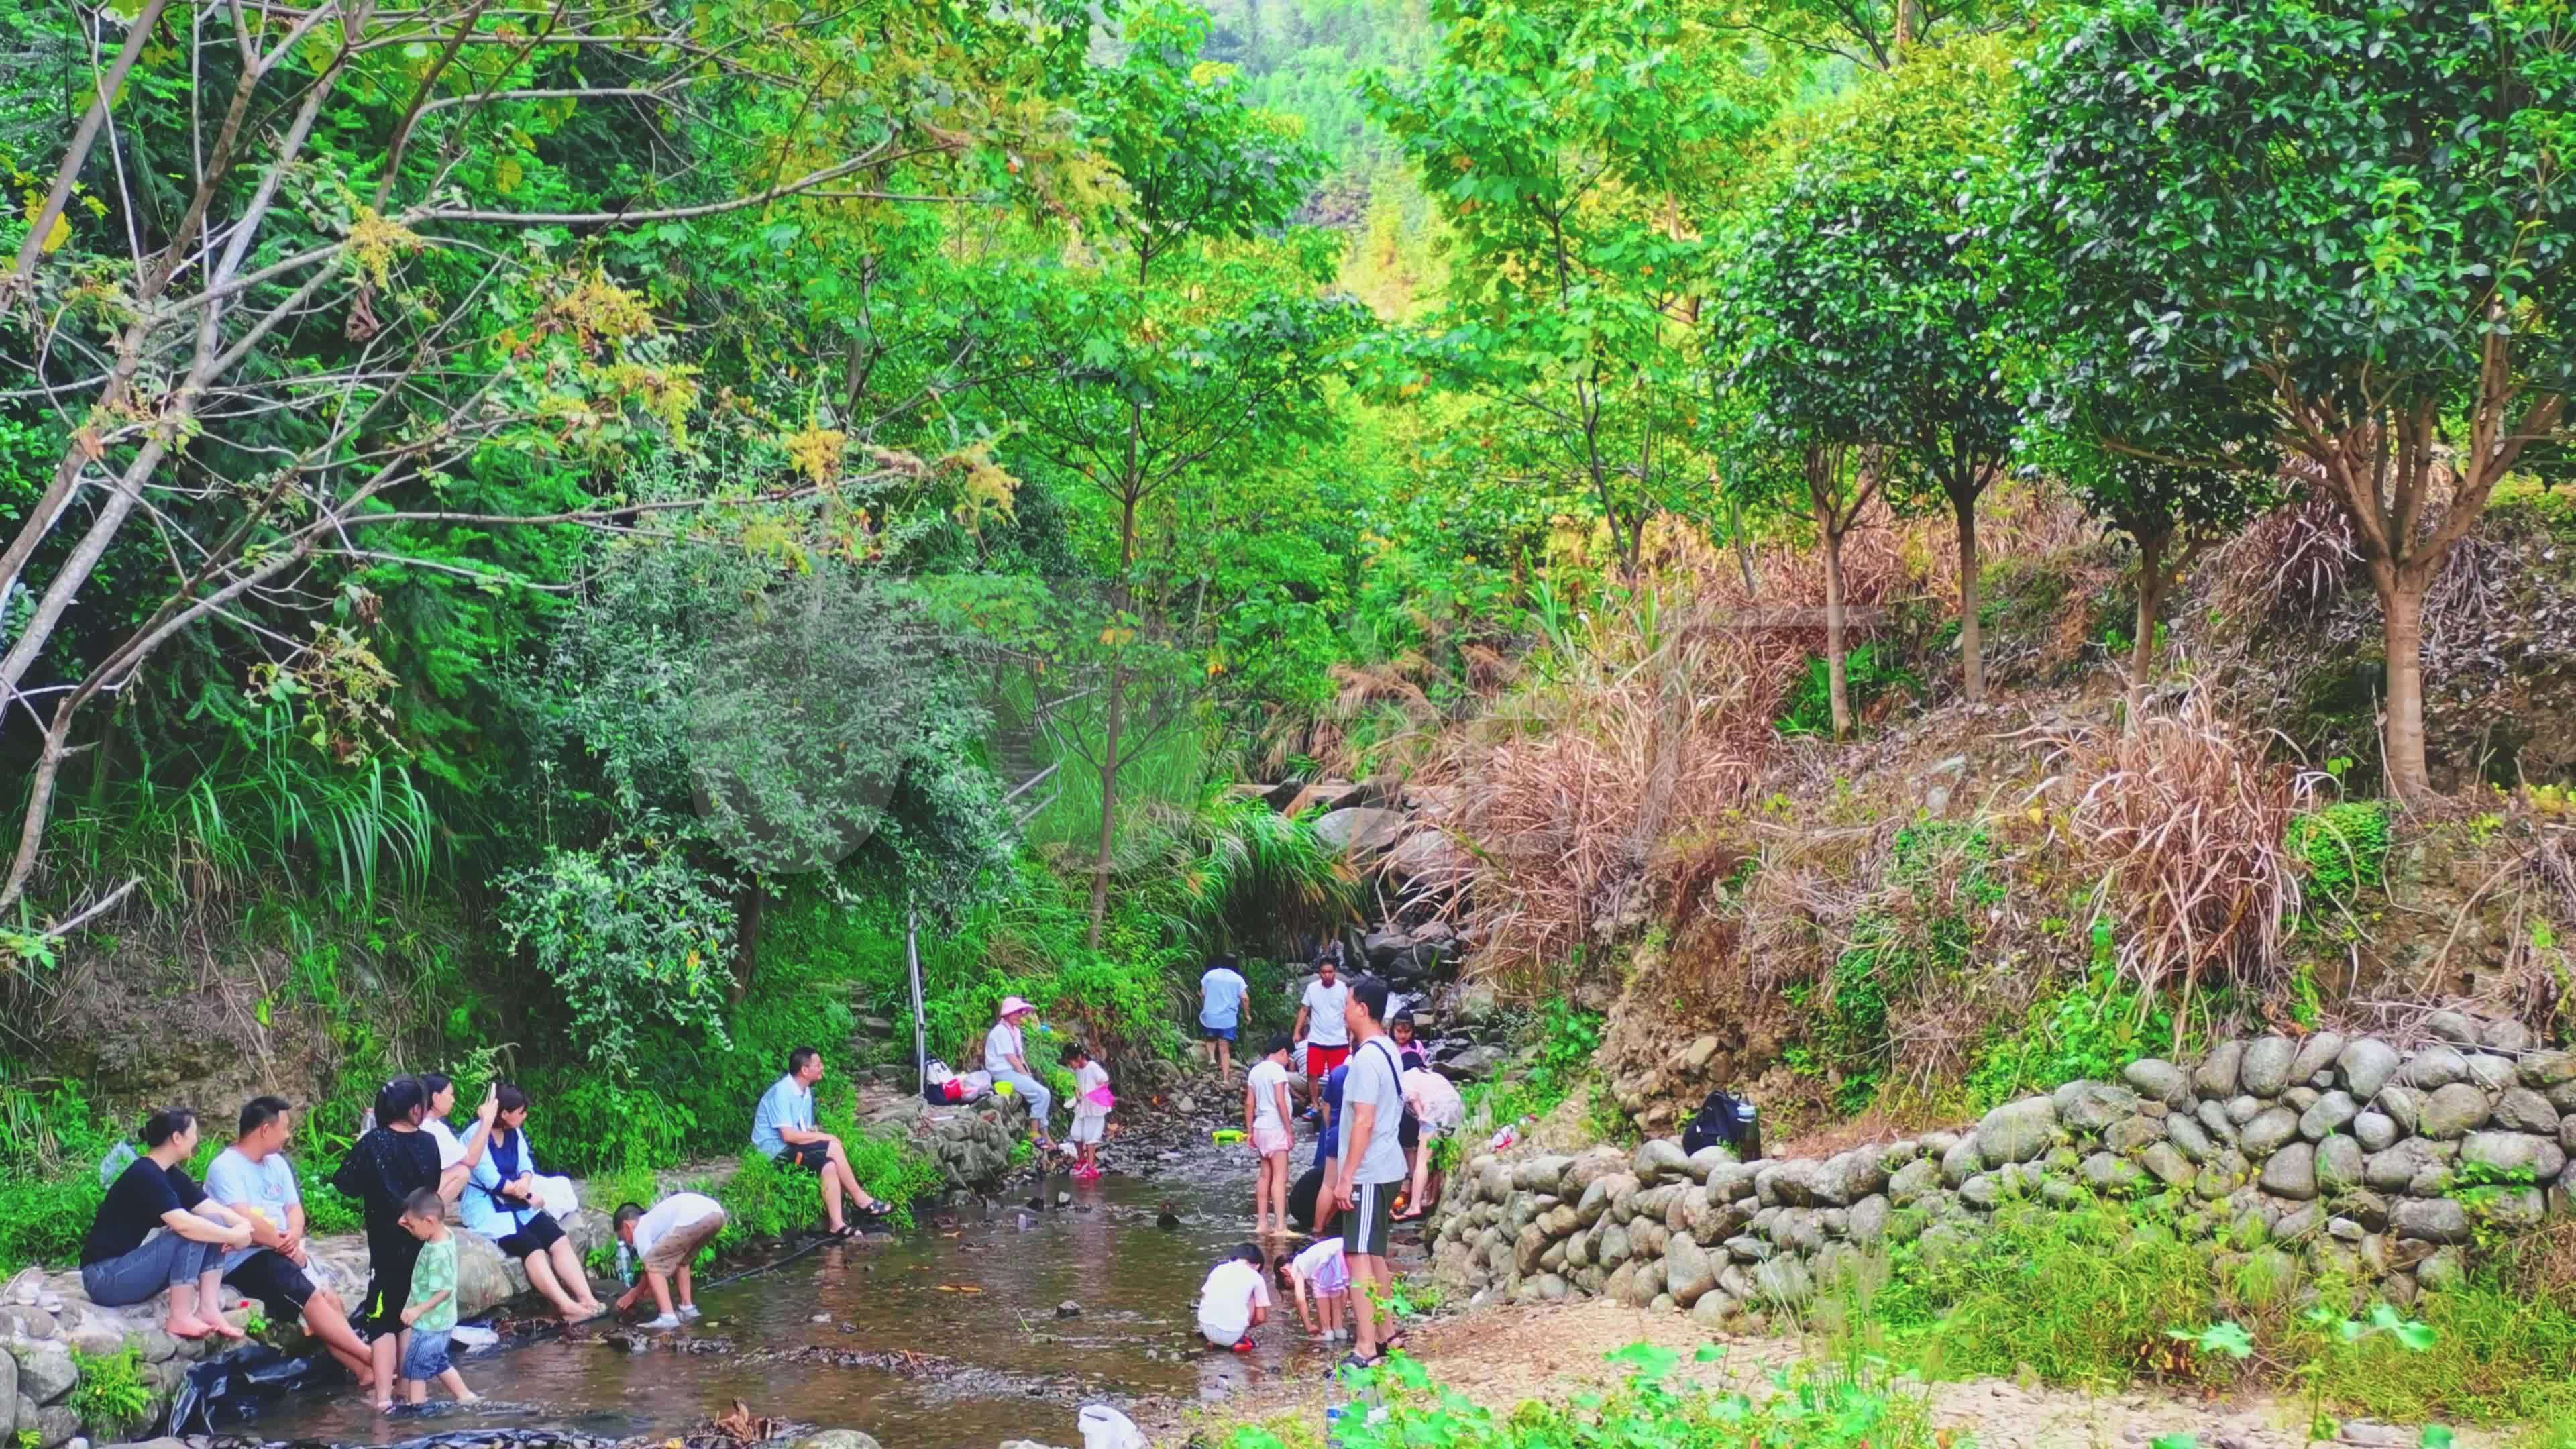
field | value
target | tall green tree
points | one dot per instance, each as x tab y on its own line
1577	152
1161	361
2357	217
1877	293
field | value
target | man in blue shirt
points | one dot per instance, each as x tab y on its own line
782	1129
1221	993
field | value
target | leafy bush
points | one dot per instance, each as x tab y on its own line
1942	878
112	1393
2343	848
626	938
2086	1031
1566	1039
1868	672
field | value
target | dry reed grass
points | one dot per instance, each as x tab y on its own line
2182	823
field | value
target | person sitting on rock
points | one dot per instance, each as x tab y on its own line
783	1130
255	1179
501	1202
667	1240
1006	1057
156	1230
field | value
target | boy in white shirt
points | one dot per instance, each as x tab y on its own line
1234	1300
668	1239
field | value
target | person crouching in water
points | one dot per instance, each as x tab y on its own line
1234	1300
429	1316
1091	1102
667	1239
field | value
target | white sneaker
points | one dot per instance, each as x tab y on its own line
667	1320
690	1310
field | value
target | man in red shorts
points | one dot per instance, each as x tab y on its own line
1320	1022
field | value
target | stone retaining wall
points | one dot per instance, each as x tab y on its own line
2351	1154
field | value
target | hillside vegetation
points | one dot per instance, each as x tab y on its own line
1931	549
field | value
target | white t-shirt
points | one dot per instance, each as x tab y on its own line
1264	1076
679	1210
450	1150
1323	1267
1085	1077
1001	1044
1434	1101
1325	1024
1226	1301
268	1185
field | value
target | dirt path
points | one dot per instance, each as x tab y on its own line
1503	1355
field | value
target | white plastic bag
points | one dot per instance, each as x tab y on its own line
1105	1428
557	1195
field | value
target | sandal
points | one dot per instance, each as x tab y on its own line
1352	1360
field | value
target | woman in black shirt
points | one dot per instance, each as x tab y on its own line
156	1230
394	1160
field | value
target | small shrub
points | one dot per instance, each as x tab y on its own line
2343	848
112	1393
1868	672
2086	1031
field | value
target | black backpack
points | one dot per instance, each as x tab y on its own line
1724	1120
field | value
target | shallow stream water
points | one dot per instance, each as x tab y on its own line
973	1293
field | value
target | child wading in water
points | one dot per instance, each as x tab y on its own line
430	1316
1266	1115
1092	1100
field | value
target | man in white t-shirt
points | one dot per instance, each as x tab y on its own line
1234	1300
1371	1163
1319	1023
1006	1056
667	1239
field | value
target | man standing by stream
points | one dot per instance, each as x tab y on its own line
1320	1024
1370	1166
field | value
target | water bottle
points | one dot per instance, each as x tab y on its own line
1333	1406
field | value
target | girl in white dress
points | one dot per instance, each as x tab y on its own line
1092	1100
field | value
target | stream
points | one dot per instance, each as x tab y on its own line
945	1338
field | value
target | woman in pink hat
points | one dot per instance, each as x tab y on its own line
1006	1056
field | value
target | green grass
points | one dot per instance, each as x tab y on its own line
1831	1406
2091	1298
2344	847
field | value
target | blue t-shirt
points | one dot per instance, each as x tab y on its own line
1331	1136
1221	994
268	1185
787	1103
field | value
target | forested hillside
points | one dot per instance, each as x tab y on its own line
1930	545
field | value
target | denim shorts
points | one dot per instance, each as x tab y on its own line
426	1358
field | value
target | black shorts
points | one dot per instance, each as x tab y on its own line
808	1155
533	1237
1366	1227
268	1277
1408	1133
